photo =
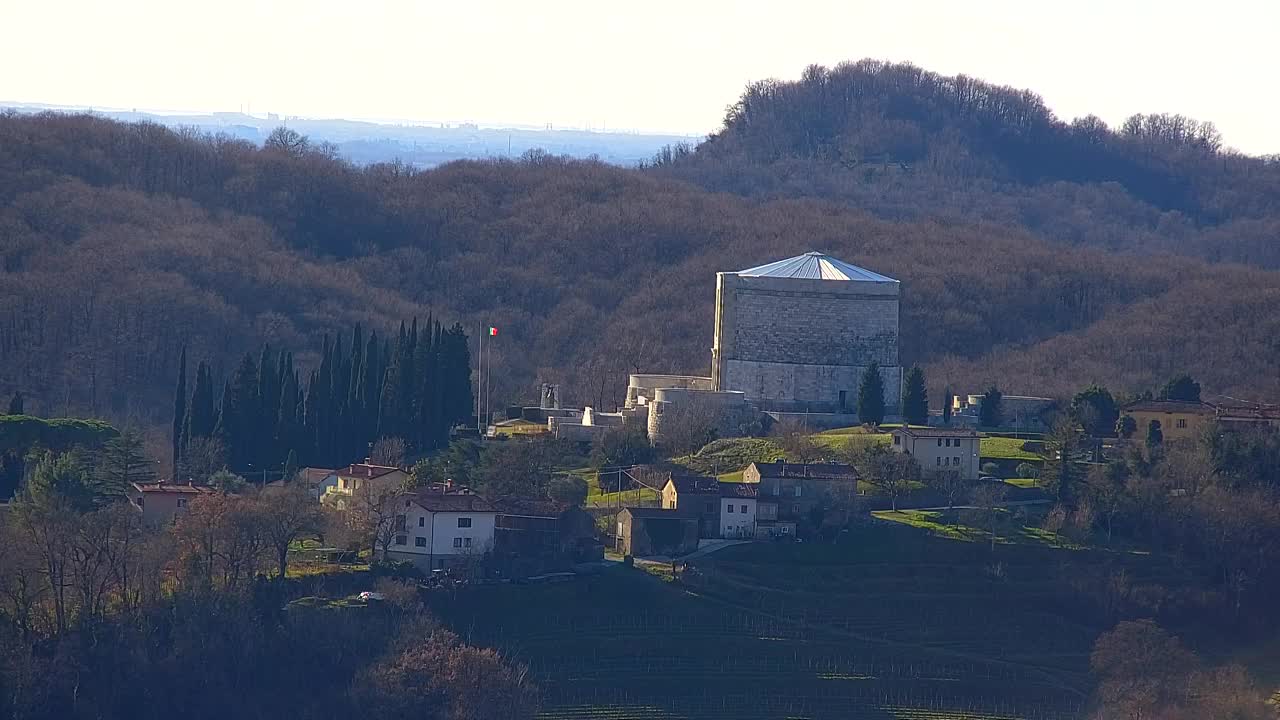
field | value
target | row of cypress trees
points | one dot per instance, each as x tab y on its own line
415	387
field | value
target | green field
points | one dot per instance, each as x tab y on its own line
1002	448
894	621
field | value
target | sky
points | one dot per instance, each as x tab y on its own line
656	65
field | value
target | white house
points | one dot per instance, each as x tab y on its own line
363	478
738	509
437	530
940	449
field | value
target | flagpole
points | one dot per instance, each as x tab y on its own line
488	370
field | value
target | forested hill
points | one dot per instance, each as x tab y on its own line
121	243
903	142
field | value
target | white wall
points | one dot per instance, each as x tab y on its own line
439	530
737	523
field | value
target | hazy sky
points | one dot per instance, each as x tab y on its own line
649	64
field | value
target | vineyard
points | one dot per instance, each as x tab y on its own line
889	624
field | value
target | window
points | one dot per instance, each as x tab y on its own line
940	442
141	502
743	509
422	521
619	528
466	542
797	491
419	542
939	461
730	507
402	540
1182	422
182	502
897	439
399	522
464	522
957	461
457	542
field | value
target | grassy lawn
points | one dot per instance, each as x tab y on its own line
970	526
1025	483
730	477
595	498
731	455
999	448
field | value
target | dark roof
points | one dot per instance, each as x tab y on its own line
1170	406
647	513
694	485
366	470
529	508
816	471
167	487
739	490
453	502
933	432
315	474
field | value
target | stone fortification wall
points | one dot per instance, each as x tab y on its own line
796	344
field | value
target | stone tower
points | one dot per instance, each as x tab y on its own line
797	334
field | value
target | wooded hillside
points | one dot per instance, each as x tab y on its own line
120	243
905	143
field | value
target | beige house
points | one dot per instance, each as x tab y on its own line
161	502
364	478
941	449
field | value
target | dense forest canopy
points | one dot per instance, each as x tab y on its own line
903	142
122	243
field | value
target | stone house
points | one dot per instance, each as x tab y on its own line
697	497
799	488
655	531
939	450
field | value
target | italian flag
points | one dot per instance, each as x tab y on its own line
493	332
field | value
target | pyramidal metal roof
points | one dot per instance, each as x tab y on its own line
814	266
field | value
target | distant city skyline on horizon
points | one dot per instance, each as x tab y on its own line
669	68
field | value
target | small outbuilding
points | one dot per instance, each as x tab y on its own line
656	531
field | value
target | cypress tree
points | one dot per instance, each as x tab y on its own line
311	422
179	410
241	415
871	396
457	376
948	398
16	403
202	413
267	404
915	398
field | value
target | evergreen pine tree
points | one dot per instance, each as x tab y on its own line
915	398
121	463
871	396
179	410
16	403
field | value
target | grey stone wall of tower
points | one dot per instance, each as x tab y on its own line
797	335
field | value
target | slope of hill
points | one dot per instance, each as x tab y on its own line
902	143
118	243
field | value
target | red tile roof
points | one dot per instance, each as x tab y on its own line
1169	406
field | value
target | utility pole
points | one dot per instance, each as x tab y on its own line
479	385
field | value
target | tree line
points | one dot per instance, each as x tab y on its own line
103	617
415	387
